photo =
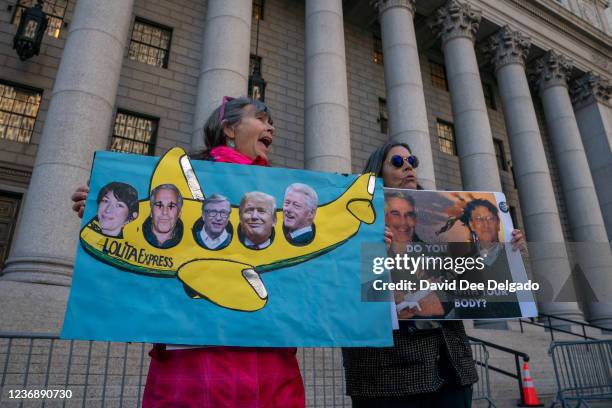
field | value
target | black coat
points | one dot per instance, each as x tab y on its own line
411	366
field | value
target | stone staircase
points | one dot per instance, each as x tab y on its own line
535	341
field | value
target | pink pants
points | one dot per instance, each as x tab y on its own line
224	377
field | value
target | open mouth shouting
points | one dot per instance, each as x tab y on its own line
265	140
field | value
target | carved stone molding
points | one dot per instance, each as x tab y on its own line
456	19
552	69
590	88
601	61
589	13
567	23
384	5
507	47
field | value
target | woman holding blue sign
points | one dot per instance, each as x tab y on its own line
239	131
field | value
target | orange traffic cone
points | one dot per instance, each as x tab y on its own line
530	397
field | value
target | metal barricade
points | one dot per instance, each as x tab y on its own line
482	389
583	370
45	371
517	355
323	376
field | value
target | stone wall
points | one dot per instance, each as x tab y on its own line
38	72
169	93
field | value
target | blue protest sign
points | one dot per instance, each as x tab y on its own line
192	252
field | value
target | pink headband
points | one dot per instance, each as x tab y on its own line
226	99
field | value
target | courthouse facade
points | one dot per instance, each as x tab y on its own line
496	95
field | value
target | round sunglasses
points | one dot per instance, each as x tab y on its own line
398	161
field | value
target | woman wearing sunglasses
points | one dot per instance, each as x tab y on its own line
239	131
431	363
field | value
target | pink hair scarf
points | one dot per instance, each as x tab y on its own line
226	154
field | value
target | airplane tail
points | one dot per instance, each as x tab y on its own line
175	168
361	206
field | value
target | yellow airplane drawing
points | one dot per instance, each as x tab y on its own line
228	277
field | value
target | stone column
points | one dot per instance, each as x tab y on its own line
457	23
592	106
224	69
584	213
404	83
35	282
507	51
327	143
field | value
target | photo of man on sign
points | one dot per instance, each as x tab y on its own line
164	228
453	256
211	231
299	210
401	217
257	220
